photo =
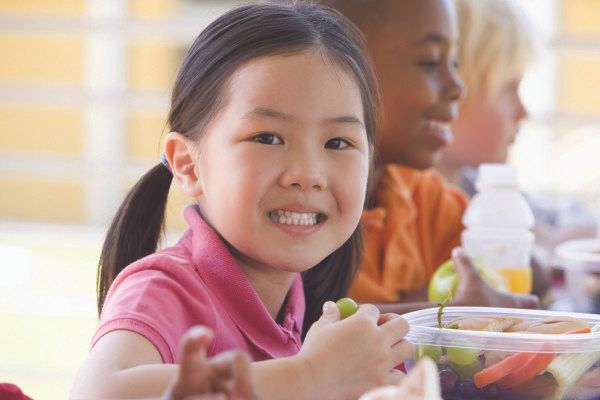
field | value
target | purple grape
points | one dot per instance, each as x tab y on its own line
467	388
448	381
491	391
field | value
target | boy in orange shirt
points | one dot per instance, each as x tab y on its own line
415	217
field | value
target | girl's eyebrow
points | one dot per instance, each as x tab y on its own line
267	112
272	113
346	119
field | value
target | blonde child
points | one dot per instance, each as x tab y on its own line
271	112
414	220
495	49
497	46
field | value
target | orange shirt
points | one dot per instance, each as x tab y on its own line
410	233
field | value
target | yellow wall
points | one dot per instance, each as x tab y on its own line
32	197
145	131
580	83
43	71
153	64
56	8
36	58
153	9
581	18
34	128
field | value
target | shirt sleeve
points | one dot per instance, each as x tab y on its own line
155	304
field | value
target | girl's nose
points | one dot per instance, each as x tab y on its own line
304	173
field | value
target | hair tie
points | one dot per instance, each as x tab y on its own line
164	161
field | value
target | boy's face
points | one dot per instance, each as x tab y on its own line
283	166
414	51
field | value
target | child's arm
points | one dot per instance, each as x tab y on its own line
471	291
123	364
341	359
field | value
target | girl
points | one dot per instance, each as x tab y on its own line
415	221
271	112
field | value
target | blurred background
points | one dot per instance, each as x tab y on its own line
84	93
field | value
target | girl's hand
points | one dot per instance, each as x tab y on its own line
473	291
225	376
346	358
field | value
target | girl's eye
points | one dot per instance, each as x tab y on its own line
337	144
267	138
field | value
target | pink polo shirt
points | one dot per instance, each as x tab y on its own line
197	282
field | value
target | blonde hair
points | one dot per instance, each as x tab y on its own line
496	43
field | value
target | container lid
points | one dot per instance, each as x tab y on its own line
579	253
499	209
424	330
496	175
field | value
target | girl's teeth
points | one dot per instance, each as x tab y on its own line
294	218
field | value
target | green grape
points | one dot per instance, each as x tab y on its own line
462	356
466	371
347	307
433	352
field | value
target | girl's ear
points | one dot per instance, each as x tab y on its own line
180	154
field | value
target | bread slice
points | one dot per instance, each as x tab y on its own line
484	323
554	325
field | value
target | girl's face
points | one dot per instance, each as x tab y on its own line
414	54
487	126
283	166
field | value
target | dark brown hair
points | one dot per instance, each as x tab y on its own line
235	38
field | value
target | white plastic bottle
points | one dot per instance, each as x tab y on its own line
498	222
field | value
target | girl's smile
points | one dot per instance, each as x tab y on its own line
287	217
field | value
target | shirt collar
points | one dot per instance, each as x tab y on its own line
226	279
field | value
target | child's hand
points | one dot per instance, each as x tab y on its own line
422	383
225	376
473	291
346	358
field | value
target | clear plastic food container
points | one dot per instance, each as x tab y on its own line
580	260
478	364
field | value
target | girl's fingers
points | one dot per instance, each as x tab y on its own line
401	351
383	318
395	328
370	311
393	377
330	313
